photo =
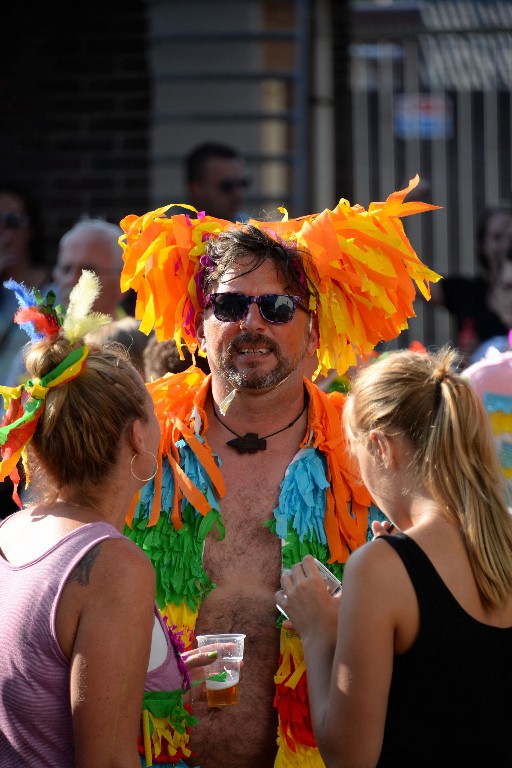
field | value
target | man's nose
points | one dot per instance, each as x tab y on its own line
253	318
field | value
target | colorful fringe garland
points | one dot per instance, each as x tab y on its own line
174	540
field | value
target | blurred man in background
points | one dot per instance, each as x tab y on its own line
92	244
216	180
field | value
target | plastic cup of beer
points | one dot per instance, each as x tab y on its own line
222	675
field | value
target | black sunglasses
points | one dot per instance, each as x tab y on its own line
233	307
228	185
13	220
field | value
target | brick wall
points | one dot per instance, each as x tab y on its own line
74	108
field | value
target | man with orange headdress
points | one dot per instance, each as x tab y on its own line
254	471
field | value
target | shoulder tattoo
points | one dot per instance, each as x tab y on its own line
82	572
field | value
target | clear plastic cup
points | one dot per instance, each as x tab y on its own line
223	674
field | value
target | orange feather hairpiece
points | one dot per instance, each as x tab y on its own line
365	268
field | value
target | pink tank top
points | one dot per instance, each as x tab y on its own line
35	713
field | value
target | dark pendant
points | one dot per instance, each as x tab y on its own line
249	443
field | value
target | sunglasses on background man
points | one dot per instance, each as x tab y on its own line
229	185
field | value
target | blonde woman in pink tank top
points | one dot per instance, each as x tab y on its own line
76	597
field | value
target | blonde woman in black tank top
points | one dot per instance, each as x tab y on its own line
411	668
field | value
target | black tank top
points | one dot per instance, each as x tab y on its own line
450	702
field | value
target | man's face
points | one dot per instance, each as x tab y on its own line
221	190
89	250
253	353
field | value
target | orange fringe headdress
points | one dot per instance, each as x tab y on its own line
365	268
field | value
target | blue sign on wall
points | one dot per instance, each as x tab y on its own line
422	116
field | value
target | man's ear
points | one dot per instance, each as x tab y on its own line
314	336
199	325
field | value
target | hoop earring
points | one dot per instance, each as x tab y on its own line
141	479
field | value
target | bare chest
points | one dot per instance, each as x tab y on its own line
252	493
245	567
252	481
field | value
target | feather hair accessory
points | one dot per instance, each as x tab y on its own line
42	318
79	320
38	317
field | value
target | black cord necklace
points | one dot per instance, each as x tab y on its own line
252	442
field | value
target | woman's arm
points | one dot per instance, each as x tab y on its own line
110	657
349	681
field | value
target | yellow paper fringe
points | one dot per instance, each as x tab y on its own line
305	757
162	730
181	617
291	650
147	738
